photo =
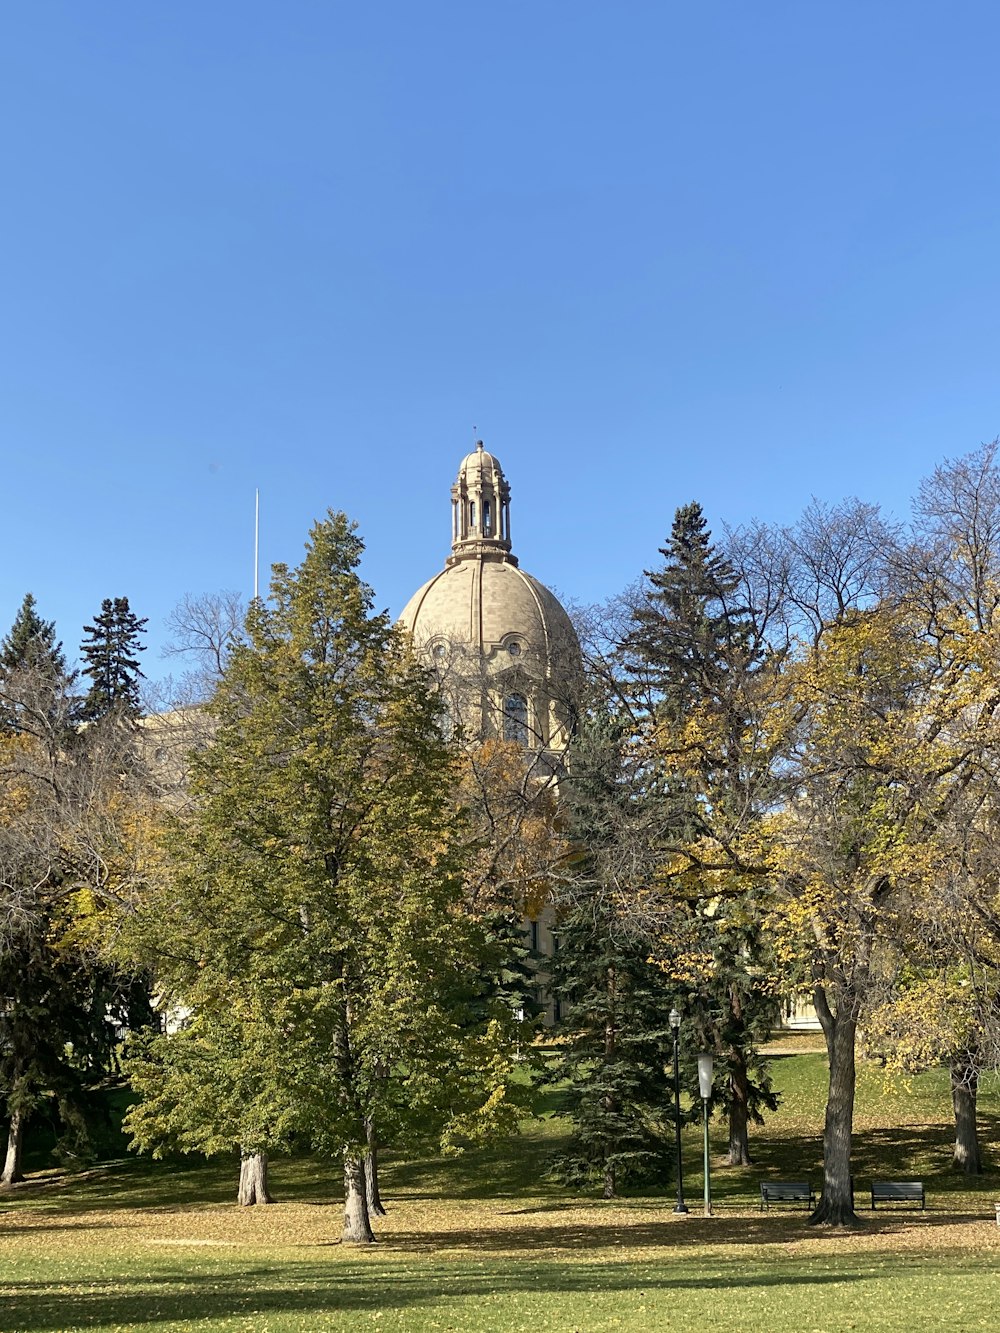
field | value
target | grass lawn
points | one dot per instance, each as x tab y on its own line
484	1243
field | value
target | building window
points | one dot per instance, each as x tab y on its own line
515	719
486	518
472	513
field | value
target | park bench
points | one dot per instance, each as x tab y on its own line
786	1191
898	1191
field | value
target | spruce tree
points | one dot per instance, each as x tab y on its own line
110	652
615	1000
690	631
31	641
693	661
33	676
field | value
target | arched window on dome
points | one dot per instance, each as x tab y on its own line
486	518
472	514
515	719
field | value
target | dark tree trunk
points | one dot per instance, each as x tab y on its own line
964	1091
836	1204
371	1171
253	1179
739	1109
12	1173
357	1224
610	1181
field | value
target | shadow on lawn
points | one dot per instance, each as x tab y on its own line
175	1185
908	1152
174	1297
668	1234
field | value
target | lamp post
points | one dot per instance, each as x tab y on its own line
705	1088
675	1024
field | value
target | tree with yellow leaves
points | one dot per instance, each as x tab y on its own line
895	698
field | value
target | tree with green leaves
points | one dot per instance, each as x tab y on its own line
110	653
31	640
614	997
31	653
698	671
308	918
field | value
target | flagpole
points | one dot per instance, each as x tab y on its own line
256	544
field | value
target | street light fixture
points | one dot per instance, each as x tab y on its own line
675	1023
705	1088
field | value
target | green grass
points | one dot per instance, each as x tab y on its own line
484	1242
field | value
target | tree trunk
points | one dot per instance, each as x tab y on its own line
12	1173
253	1179
610	1181
357	1225
964	1091
836	1204
371	1171
739	1109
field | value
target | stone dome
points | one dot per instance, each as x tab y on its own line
501	644
480	460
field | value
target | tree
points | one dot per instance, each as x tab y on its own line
31	650
110	652
321	866
31	641
896	711
614	997
700	674
63	801
216	1081
204	630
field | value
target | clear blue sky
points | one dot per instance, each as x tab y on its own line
739	253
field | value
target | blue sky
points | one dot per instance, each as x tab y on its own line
650	252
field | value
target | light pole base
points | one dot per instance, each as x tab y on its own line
681	1208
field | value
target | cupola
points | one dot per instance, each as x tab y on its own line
480	509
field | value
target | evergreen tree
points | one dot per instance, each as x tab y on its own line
31	641
33	676
695	662
312	901
55	1037
615	1000
690	633
110	652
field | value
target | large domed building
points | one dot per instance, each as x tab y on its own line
502	646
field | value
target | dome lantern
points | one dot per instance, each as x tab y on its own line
480	509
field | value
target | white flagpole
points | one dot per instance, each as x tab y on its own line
256	544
